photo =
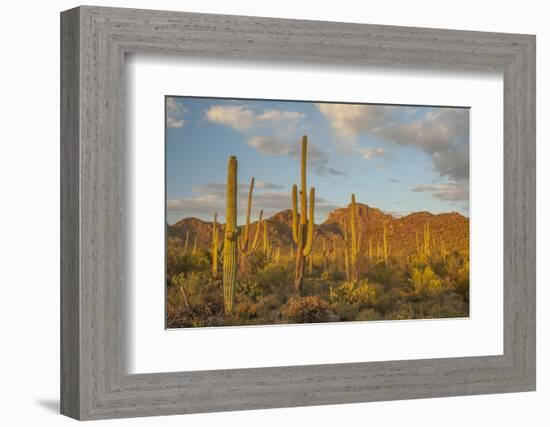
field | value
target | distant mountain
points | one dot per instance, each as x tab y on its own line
451	228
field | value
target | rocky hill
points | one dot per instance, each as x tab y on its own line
450	228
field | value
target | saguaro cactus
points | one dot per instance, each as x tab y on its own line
215	245
266	243
354	249
186	246
427	248
302	228
347	267
385	244
230	237
195	247
443	248
370	249
245	245
325	271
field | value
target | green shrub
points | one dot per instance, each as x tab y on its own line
308	309
277	279
368	314
425	280
347	311
361	292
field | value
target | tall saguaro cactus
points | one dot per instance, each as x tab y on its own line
195	247
370	249
230	237
215	245
302	228
427	248
266	246
354	249
186	243
325	271
347	267
385	236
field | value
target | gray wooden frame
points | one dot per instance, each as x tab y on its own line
94	41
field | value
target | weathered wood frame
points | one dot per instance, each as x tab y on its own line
94	41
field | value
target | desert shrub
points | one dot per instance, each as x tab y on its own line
368	314
386	274
462	281
425	280
177	262
306	309
250	288
277	279
193	299
360	292
270	302
402	311
252	263
316	286
346	311
246	309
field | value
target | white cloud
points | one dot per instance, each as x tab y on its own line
266	131
210	198
316	157
267	185
371	153
451	191
268	145
441	133
175	112
171	122
348	120
241	118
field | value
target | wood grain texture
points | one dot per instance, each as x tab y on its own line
94	382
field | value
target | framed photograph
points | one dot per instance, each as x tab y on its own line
262	213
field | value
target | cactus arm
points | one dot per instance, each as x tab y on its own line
257	234
244	243
309	238
215	246
295	213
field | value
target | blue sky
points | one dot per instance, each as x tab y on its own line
400	159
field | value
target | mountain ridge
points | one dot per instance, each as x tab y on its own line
449	229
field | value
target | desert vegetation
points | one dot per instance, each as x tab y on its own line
360	264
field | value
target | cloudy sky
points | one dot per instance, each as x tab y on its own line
400	159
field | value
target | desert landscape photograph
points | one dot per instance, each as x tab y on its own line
290	212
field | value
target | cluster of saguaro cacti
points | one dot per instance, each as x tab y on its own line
246	245
302	228
230	237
